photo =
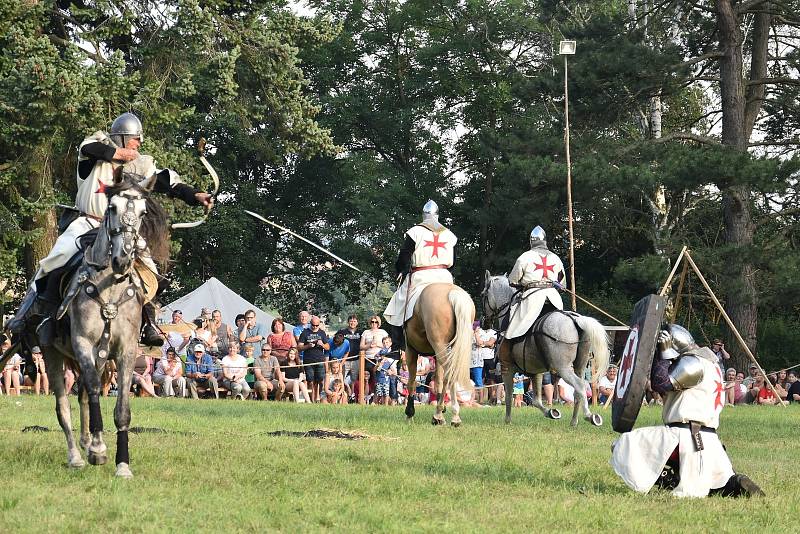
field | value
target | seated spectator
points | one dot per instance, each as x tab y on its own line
234	370
751	379
268	375
606	384
466	396
778	386
143	373
40	383
734	390
281	341
567	393
519	389
783	379
169	375
765	394
12	370
793	393
250	361
336	394
70	376
756	385
294	377
200	371
336	373
367	389
108	379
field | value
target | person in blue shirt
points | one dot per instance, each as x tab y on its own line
200	371
340	348
303	322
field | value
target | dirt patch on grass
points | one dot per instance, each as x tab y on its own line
321	433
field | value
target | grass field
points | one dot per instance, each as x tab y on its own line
217	469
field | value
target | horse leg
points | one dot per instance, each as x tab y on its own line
537	389
83	403
581	402
507	372
122	414
456	419
90	378
438	418
55	374
411	362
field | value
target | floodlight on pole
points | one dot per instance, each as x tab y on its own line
567	48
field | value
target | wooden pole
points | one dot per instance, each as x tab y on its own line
677	305
663	291
569	190
361	363
732	327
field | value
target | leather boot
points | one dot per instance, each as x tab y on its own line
739	485
397	335
16	325
150	336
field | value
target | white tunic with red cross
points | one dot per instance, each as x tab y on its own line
535	265
433	255
639	456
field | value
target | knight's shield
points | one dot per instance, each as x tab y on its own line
637	361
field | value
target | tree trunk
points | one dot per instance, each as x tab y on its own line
40	187
741	300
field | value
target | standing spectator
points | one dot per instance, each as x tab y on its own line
303	319
519	389
41	385
340	348
280	340
268	375
372	339
476	365
793	393
314	342
223	332
176	340
485	341
143	373
605	386
353	336
202	334
250	363
382	369
70	375
252	332
11	371
718	348
169	375
423	370
200	371
294	377
234	369
402	377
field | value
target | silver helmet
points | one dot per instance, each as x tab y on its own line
538	237
124	127
430	208
682	340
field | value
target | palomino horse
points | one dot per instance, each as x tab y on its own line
563	341
441	325
105	300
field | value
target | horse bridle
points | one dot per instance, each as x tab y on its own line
499	313
129	227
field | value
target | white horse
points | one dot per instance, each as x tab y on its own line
562	341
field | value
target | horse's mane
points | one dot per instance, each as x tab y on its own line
155	226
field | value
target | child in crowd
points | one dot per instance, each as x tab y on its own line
336	394
335	375
519	389
250	377
403	378
295	377
384	367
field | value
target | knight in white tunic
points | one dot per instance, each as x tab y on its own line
100	156
424	259
536	272
686	455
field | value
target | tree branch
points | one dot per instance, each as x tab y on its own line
747	5
774	81
687	136
63	42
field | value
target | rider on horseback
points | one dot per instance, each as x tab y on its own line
99	157
536	274
426	256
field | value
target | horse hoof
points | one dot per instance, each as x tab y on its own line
97	459
77	463
124	471
508	420
455	424
596	419
437	422
553	413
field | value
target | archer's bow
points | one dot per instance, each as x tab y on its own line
201	148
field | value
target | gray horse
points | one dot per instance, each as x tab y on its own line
561	341
104	304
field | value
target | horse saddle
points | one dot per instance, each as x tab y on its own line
70	272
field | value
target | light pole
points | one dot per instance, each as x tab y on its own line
567	48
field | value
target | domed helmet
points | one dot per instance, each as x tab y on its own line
682	340
430	211
538	237
125	127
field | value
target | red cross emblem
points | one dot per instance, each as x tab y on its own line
101	190
543	266
627	360
718	390
435	244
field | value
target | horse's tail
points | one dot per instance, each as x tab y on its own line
457	359
594	339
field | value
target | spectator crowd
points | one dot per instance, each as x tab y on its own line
209	357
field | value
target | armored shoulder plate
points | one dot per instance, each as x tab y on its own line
686	372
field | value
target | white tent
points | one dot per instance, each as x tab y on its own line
217	296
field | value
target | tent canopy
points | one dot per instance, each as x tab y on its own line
215	295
